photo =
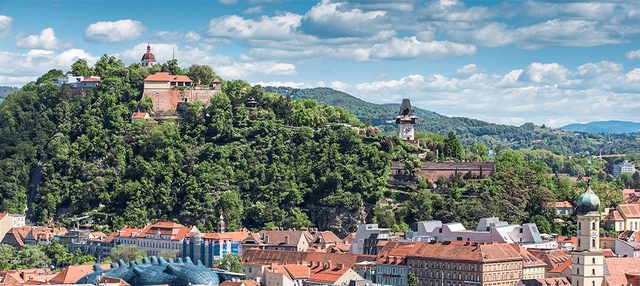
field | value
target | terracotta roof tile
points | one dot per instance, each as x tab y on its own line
629	210
552	258
618	267
92	79
266	257
562	267
529	260
555	281
609	253
394	250
139	115
238	235
111	280
165	76
126	232
467	251
613	215
331	275
326	237
72	274
10	278
563	204
350	237
216	80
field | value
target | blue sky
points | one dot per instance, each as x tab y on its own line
549	62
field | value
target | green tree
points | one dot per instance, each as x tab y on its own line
7	255
33	257
58	252
230	262
452	146
172	67
49	76
544	226
127	252
201	74
412	280
81	68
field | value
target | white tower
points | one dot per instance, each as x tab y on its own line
406	120
588	259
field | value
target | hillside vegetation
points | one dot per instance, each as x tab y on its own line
291	163
496	136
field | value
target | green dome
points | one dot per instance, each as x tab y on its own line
588	202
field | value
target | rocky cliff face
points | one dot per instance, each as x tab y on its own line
339	220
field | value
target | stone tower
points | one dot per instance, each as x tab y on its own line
221	225
405	120
588	259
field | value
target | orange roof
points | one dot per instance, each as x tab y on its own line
397	249
339	248
608	253
2	215
568	239
528	258
125	232
92	79
349	239
613	215
629	210
216	80
111	280
618	267
19	233
10	278
552	258
175	230
72	274
237	235
292	271
562	267
165	76
330	275
563	204
139	115
326	237
466	251
266	257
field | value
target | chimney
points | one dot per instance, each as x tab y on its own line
339	266
286	239
387	259
266	239
329	264
395	260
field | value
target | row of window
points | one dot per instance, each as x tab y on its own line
439	265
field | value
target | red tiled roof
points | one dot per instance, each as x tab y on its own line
266	257
568	239
19	233
613	215
339	248
562	267
72	274
238	235
326	237
139	115
528	258
396	249
216	80
629	210
555	281
349	239
563	204
618	267
608	253
165	76
10	278
92	79
175	230
125	232
467	251
293	271
2	215
552	258
331	275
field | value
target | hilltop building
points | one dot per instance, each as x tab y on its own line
433	170
406	121
148	59
168	91
588	260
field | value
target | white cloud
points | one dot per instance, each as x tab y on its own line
633	55
276	27
192	36
5	25
574	10
114	32
285	83
542	92
253	10
334	20
228	2
411	48
454	11
46	40
21	68
239	70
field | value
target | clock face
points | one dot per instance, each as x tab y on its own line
408	128
594	233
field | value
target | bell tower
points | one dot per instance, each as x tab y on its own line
588	259
406	120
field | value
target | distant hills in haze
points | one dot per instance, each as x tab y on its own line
5	90
611	127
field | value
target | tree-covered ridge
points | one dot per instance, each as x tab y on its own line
291	162
496	136
6	90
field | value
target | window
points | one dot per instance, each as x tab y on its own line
593	243
593	225
593	271
593	260
578	269
579	226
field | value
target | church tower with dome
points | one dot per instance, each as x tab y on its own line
148	59
588	258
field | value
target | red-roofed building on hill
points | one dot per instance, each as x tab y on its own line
9	221
624	217
167	91
563	207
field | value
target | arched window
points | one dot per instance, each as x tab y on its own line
593	271
593	243
593	225
579	226
593	283
593	260
578	269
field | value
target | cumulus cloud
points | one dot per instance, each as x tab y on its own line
633	55
332	20
253	10
5	25
46	40
176	37
545	93
411	48
21	68
274	28
114	32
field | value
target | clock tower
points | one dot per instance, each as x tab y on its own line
588	259
406	120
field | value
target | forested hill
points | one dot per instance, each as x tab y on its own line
612	127
5	90
472	130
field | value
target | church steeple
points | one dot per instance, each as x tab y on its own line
148	59
588	259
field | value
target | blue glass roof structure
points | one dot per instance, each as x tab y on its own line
157	271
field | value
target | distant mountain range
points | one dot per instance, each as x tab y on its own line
611	127
5	90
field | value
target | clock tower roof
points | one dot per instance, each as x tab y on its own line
588	201
406	115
